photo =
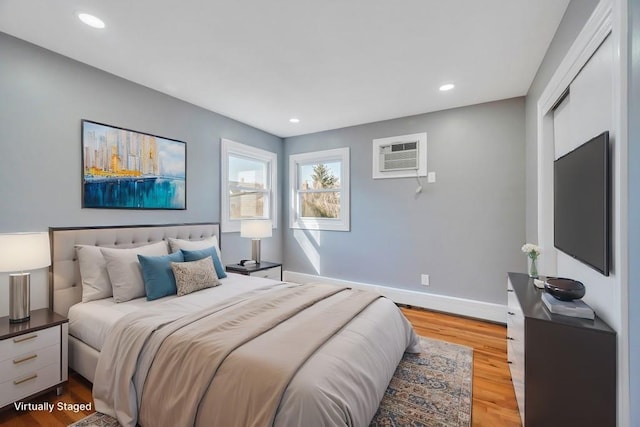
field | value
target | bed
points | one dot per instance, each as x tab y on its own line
329	363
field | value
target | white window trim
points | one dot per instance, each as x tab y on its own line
332	224
228	147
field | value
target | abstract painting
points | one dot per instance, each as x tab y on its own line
125	169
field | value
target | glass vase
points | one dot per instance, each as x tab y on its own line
533	267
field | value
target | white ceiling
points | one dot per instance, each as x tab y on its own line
331	63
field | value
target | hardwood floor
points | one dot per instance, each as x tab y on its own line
494	402
76	391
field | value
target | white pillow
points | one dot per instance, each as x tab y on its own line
195	245
93	273
125	271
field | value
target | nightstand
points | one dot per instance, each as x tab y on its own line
33	355
267	270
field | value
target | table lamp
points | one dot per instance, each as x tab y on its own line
255	229
20	252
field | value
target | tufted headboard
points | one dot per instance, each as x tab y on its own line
65	287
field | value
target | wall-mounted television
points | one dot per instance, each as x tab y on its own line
582	203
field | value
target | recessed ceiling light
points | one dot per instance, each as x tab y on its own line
91	20
294	120
447	87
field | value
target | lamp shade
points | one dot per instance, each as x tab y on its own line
24	251
255	228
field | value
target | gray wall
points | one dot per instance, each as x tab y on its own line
43	97
576	15
634	209
465	230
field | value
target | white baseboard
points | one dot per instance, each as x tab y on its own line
460	306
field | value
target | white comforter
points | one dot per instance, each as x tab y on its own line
91	322
350	373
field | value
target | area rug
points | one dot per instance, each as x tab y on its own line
430	389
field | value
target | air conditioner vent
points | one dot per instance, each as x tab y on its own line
404	146
399	156
402	156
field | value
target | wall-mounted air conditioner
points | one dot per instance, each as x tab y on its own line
400	156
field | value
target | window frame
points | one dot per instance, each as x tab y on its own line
236	149
343	223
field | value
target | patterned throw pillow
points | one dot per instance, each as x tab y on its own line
195	275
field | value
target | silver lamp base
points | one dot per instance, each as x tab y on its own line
19	298
255	250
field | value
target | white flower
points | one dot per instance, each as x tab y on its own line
532	250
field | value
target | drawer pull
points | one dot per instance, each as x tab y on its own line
23	339
509	362
511	313
24	380
24	359
509	290
509	338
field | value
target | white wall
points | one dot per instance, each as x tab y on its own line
600	97
585	113
633	161
576	15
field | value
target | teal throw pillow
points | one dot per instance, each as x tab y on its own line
203	253
159	280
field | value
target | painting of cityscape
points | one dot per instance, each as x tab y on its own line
124	169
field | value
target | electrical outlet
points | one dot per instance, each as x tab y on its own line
424	279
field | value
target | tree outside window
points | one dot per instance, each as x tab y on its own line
319	196
321	190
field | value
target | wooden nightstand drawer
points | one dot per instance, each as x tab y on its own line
29	383
26	363
29	342
274	273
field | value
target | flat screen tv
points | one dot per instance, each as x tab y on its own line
582	203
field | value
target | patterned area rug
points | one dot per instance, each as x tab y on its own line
96	420
430	389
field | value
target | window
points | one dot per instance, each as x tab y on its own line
249	183
320	190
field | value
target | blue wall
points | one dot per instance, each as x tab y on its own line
44	96
634	209
465	230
